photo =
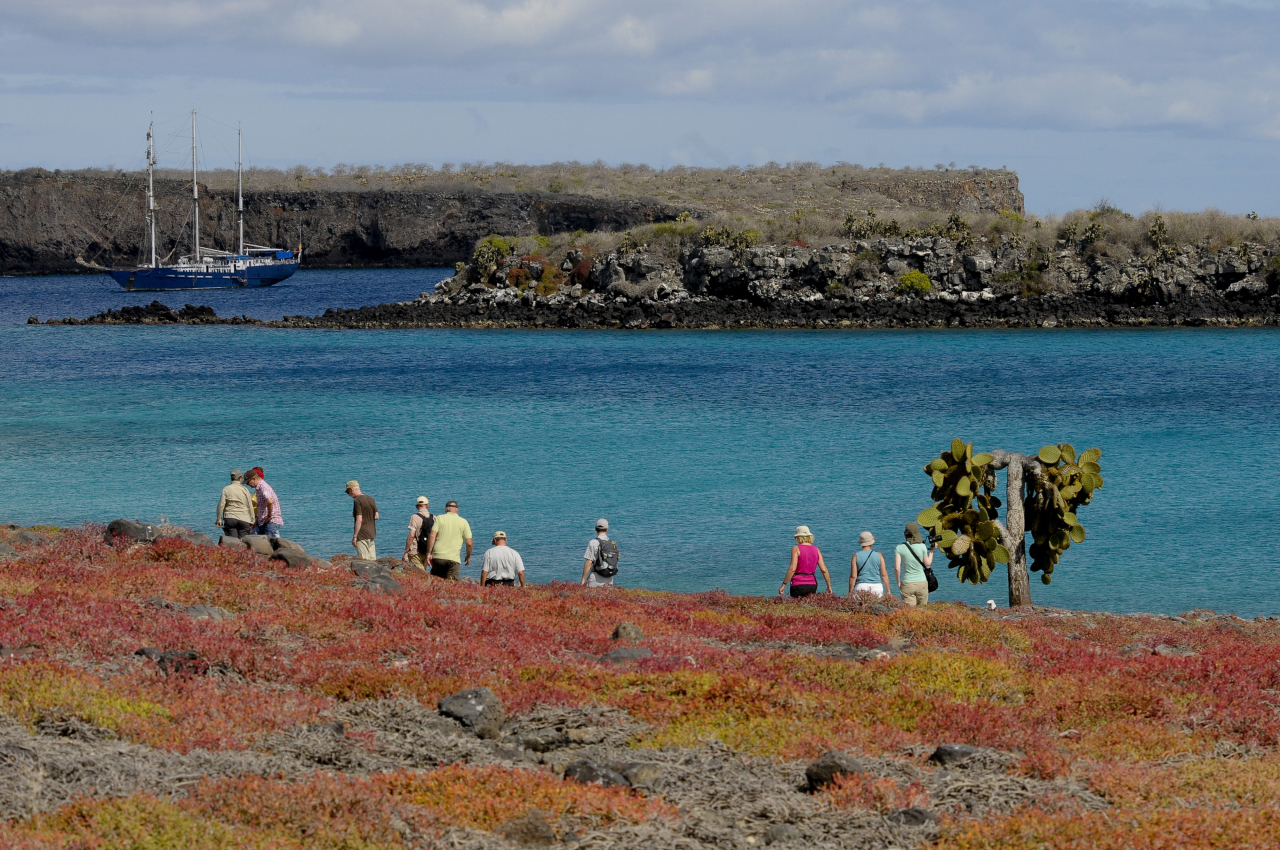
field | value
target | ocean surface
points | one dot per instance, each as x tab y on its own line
703	449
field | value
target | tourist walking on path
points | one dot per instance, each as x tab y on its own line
444	546
268	520
420	524
806	560
867	570
909	561
600	562
502	564
235	508
364	510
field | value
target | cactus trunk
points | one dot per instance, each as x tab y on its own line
1014	527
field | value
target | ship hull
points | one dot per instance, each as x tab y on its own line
169	279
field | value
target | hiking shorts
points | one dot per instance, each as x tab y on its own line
594	579
915	592
418	562
449	570
505	582
875	588
366	550
798	590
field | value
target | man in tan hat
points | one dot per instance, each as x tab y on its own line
365	513
235	508
502	564
864	577
420	525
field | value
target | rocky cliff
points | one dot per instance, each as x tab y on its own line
47	220
922	282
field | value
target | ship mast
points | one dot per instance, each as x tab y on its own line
195	191
151	189
240	185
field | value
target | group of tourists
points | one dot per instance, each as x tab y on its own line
434	545
912	560
436	541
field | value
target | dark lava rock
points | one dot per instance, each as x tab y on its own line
1134	650
781	833
28	538
259	543
390	563
544	740
639	773
913	816
627	653
532	830
1168	651
831	764
180	661
587	772
381	583
626	631
368	569
208	612
477	709
949	754
191	537
336	728
879	609
130	531
293	558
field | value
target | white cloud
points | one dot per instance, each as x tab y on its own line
1067	64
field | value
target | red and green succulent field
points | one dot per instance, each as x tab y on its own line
1176	748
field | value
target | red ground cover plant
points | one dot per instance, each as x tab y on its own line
1174	743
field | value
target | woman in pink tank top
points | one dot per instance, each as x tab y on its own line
806	560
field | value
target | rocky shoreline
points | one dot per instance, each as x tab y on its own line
926	282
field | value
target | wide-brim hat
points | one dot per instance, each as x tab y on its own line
803	531
866	538
913	533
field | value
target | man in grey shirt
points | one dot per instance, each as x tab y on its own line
502	564
591	578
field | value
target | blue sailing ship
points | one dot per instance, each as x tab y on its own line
206	268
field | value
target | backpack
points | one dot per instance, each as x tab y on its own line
424	533
606	559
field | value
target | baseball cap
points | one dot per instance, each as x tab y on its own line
451	504
499	534
353	485
602	524
235	473
422	500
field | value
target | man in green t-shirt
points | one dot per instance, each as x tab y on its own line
444	547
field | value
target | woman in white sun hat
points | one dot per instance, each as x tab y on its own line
867	571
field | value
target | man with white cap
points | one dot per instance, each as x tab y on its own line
420	525
600	563
502	564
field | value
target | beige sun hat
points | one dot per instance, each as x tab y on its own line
803	531
866	538
353	484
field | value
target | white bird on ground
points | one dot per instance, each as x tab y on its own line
991	604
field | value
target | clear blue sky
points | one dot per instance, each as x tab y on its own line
1168	104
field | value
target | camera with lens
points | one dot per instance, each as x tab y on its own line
934	539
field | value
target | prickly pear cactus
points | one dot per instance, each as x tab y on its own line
965	512
1062	486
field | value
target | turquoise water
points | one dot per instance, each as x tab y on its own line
703	449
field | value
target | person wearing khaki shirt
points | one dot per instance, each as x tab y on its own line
235	508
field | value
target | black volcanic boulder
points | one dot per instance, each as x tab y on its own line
832	764
477	709
130	531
